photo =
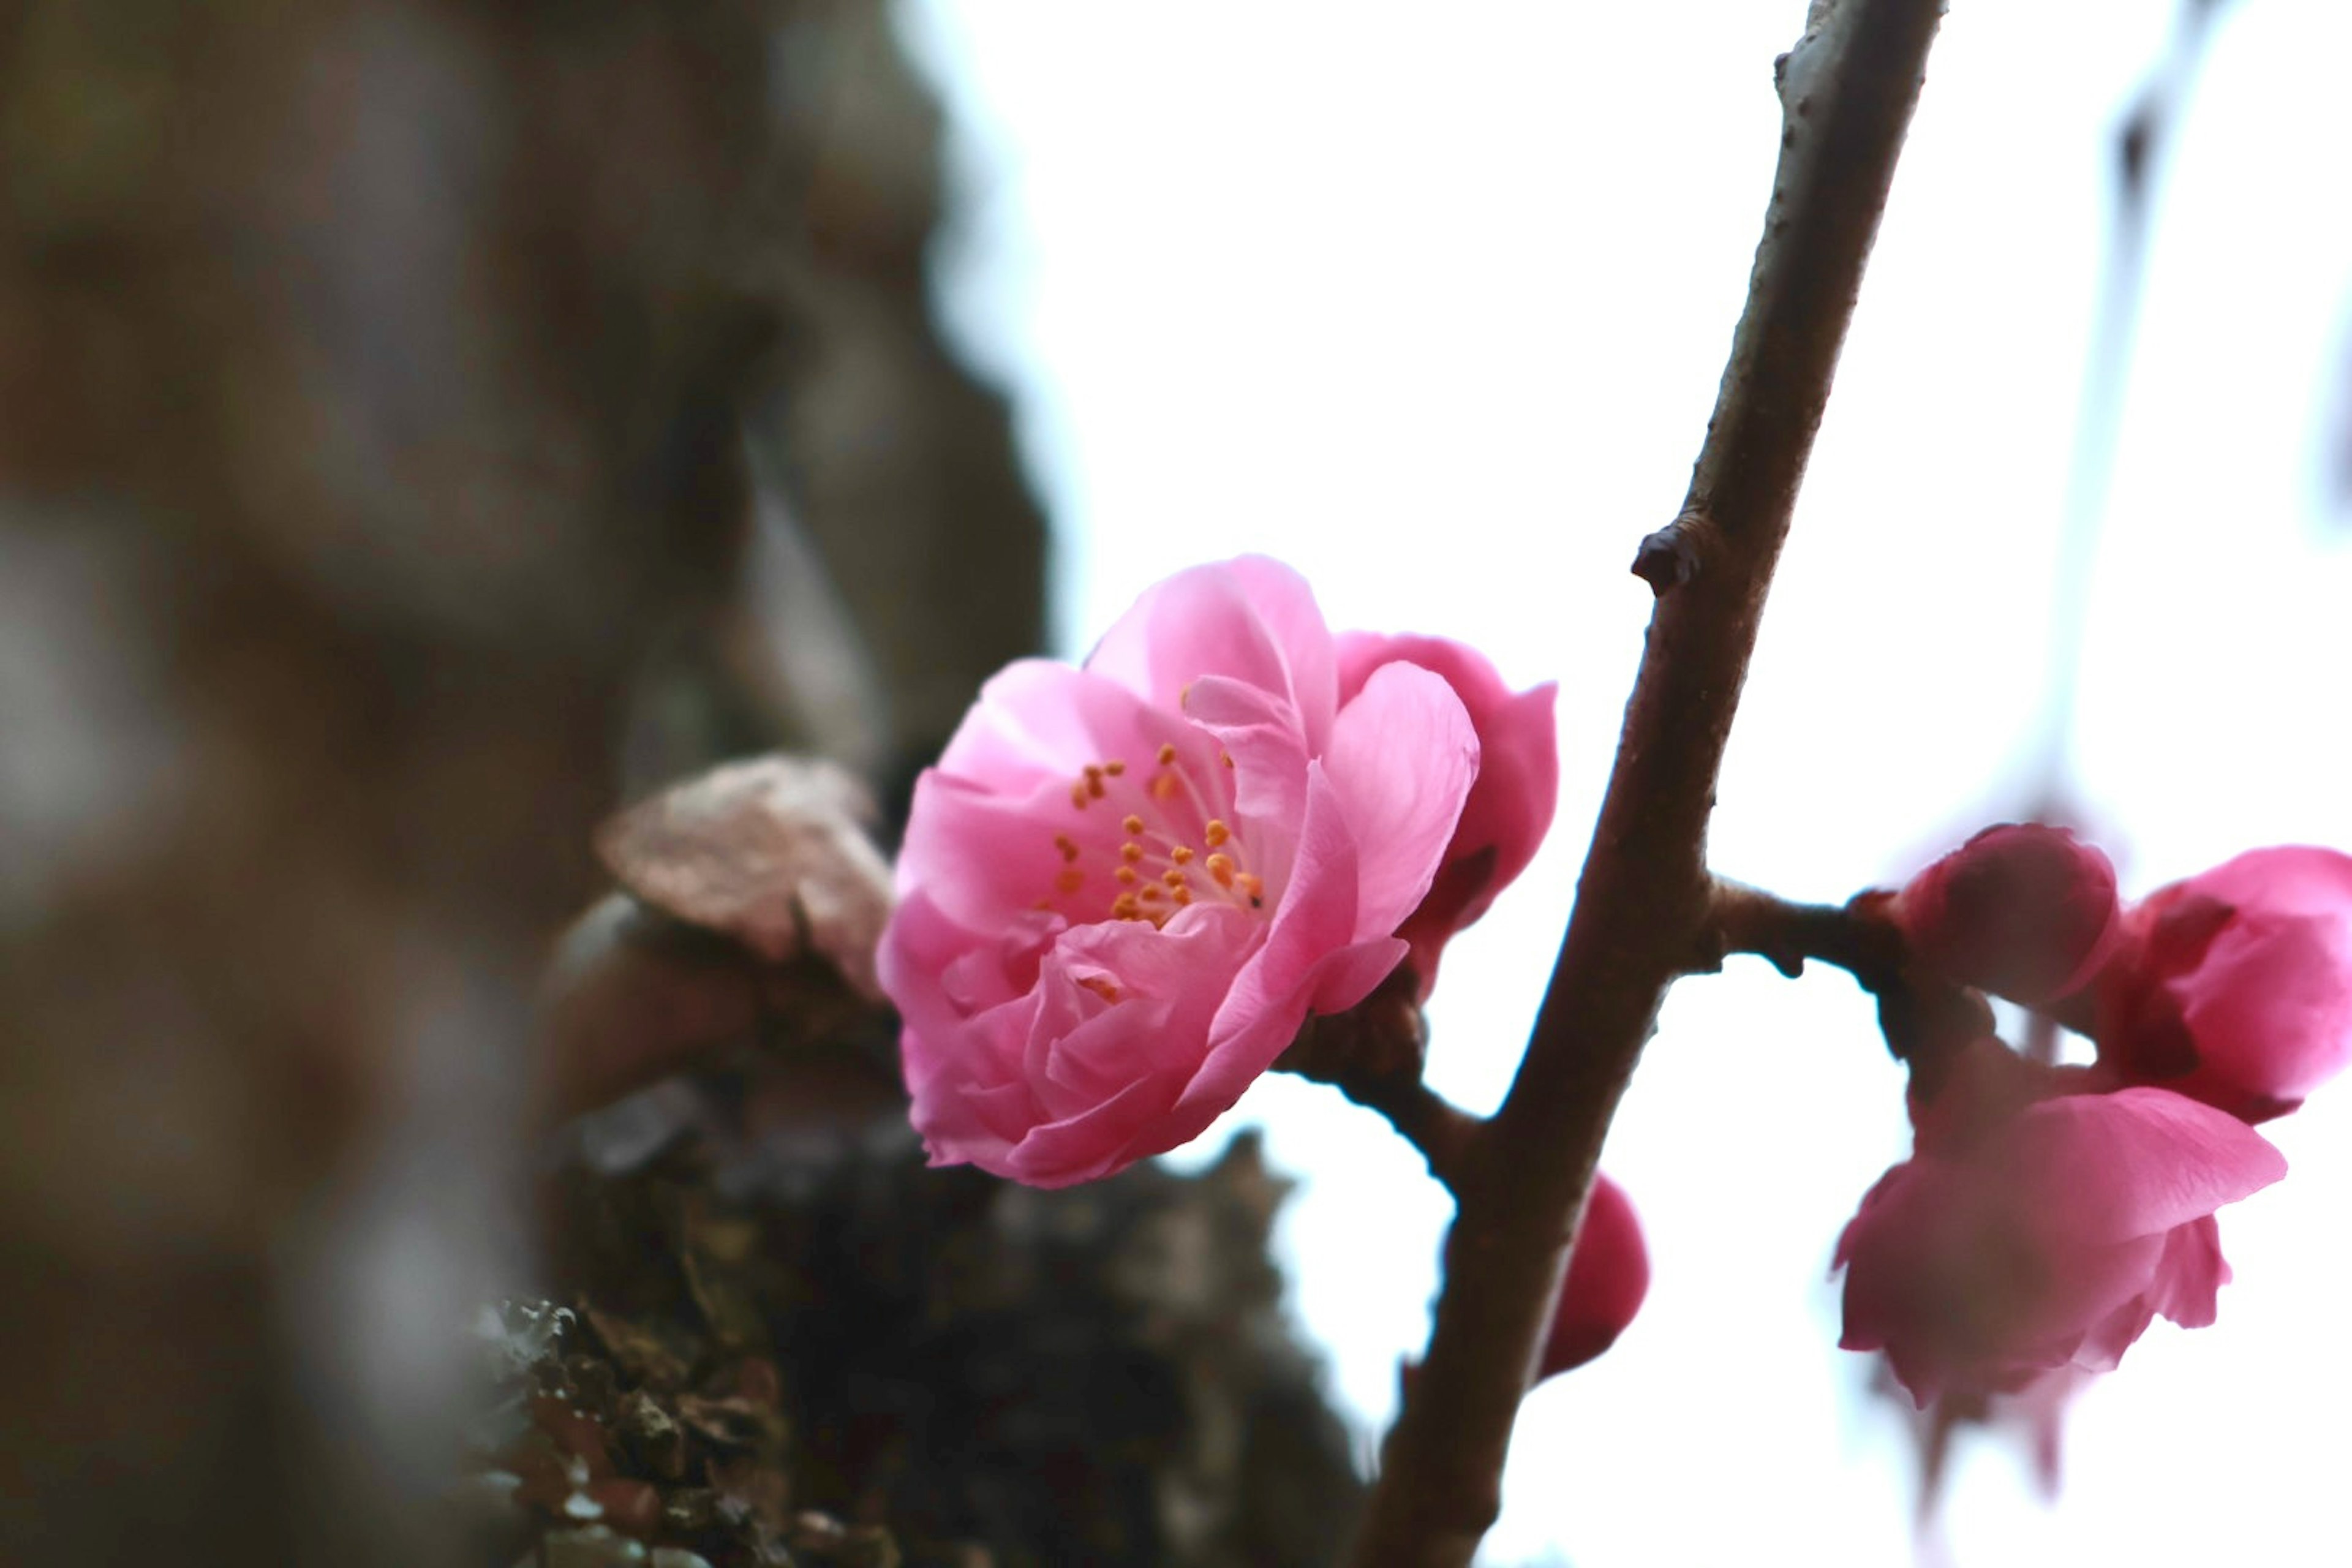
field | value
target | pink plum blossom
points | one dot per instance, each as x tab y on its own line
1124	887
2021	909
2036	1227
1511	801
1608	1276
2235	987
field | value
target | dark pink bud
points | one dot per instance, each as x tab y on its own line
1608	1276
2026	912
2235	987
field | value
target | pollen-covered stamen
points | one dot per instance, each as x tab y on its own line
1160	847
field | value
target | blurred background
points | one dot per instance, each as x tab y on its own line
425	425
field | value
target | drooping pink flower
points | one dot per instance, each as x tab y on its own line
2027	1235
2021	909
2235	987
1511	802
1608	1277
1124	887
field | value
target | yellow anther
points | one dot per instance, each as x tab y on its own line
1079	795
1226	758
1167	753
1125	908
1126	875
1134	826
1184	897
1164	786
1130	853
1066	845
1173	878
1148	896
1114	767
1216	833
1252	887
1221	869
1071	879
1106	989
1094	783
1181	854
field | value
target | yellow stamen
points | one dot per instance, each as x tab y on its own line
1148	896
1079	795
1221	869
1107	990
1252	887
1125	908
1134	826
1181	854
1173	878
1069	848
1126	875
1216	833
1114	767
1226	758
1184	897
1167	753
1164	786
1130	853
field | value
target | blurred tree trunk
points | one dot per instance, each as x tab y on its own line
376	381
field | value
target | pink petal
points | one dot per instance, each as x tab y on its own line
1262	732
2188	1280
1253	620
2109	1167
1402	758
1511	801
1247	1039
2270	1007
1037	719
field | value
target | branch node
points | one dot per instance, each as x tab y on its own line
1669	557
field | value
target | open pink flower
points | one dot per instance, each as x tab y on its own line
1511	802
1125	887
2027	1234
1608	1276
2235	987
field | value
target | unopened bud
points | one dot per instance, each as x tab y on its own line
2025	911
1608	1276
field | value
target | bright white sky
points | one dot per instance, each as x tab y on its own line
1435	310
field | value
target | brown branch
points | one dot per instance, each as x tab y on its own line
1372	1054
1741	918
1847	91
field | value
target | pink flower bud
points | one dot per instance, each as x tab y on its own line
1608	1276
2026	912
2235	987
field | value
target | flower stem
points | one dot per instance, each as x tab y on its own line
1643	906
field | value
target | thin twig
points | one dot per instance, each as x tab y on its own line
1741	918
1847	91
1372	1054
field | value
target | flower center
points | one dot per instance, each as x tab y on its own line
1147	844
